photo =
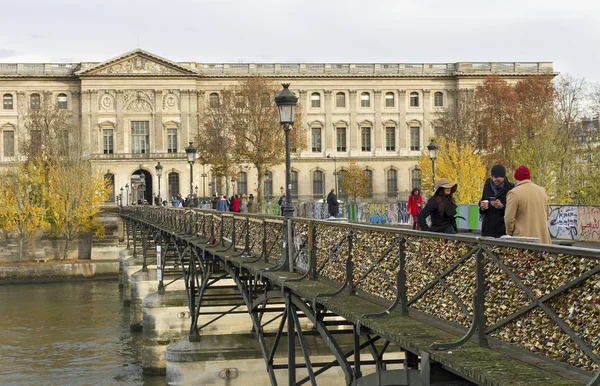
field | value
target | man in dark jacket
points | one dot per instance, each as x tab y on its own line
333	206
493	203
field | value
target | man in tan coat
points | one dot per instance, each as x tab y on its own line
527	208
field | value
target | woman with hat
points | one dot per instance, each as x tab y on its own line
441	208
493	203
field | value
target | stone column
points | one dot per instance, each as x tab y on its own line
402	128
193	115
302	101
159	135
427	132
353	130
94	148
121	143
378	130
76	111
86	119
328	125
185	121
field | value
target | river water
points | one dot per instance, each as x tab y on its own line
70	333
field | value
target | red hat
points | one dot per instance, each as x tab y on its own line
522	173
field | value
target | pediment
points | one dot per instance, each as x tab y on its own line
138	63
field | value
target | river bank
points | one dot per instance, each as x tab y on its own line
58	271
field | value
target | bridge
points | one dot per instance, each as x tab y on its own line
390	306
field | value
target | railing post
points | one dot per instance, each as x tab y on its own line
144	253
350	267
312	251
127	225
134	241
402	279
480	299
264	241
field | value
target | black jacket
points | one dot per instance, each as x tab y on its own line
438	223
492	219
332	204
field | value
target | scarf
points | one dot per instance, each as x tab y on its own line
497	188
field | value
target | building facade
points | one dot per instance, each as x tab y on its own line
138	109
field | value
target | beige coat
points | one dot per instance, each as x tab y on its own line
527	212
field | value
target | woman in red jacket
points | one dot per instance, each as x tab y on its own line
415	201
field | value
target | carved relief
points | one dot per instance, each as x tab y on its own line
106	101
170	102
138	65
139	106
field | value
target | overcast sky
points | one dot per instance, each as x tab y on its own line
566	33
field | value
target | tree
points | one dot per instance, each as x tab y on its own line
248	129
461	120
356	183
74	202
22	200
459	164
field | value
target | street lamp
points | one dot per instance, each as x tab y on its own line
334	172
143	186
191	157
286	103
267	180
121	197
204	175
127	189
232	186
159	169
433	149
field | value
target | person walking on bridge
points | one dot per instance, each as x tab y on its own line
493	202
441	208
527	208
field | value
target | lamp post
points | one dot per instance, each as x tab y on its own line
335	174
433	149
267	180
191	157
204	175
121	197
143	186
127	189
232	186
286	103
159	169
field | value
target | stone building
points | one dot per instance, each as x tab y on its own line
138	108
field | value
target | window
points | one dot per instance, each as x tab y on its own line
213	100
414	99
317	184
62	101
369	174
392	183
171	140
7	102
108	135
268	186
140	137
294	183
242	183
365	138
390	138
416	178
239	101
316	139
341	138
389	99
438	99
315	99
111	182
34	101
340	99
415	140
173	184
9	143
365	99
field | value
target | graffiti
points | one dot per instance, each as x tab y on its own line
377	213
563	222
403	215
589	220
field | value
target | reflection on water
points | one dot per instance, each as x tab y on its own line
74	333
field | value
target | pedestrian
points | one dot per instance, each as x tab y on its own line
251	203
333	206
222	204
195	202
175	202
441	208
214	201
493	202
282	204
527	208
415	202
236	203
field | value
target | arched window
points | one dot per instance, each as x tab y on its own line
340	99
34	101
369	174
390	138
268	186
416	178
62	101
315	99
414	99
316	139
173	184
242	183
438	99
111	183
415	138
365	99
389	99
7	102
340	133
365	138
392	183
317	184
8	137
213	100
294	183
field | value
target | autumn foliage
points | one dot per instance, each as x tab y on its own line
356	183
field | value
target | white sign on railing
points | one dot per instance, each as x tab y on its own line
158	264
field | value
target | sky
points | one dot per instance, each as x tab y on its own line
566	33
